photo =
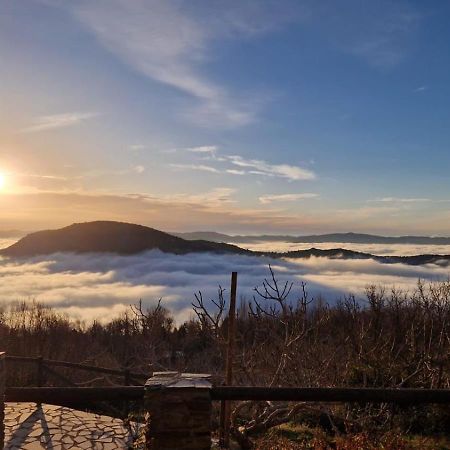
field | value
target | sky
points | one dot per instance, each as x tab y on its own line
250	116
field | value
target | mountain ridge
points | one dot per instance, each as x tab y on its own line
126	239
340	238
109	237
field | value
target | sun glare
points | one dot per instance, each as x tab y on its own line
2	181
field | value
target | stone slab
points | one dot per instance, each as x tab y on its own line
33	426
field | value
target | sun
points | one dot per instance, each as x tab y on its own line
2	181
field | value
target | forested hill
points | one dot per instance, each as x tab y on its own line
112	237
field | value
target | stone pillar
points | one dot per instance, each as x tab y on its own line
2	398
178	411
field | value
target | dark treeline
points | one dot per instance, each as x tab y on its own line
391	338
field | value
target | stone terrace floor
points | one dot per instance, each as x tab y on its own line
29	426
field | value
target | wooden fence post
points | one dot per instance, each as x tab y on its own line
225	406
126	377
40	371
126	382
2	399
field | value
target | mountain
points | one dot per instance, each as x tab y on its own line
340	238
126	239
211	236
342	253
359	238
106	236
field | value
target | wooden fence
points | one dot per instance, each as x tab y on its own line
183	403
133	391
58	395
45	367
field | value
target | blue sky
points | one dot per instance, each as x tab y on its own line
239	116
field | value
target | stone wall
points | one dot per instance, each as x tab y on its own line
2	403
178	412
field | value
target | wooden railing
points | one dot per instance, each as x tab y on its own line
127	391
190	402
71	392
45	367
65	395
186	402
55	395
45	372
332	394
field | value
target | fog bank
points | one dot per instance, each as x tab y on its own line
99	286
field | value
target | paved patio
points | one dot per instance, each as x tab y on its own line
29	426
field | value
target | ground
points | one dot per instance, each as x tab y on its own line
29	426
299	437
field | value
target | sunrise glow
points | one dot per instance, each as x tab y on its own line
2	181
233	193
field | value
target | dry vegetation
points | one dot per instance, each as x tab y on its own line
284	338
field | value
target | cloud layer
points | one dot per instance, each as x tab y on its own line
99	286
373	249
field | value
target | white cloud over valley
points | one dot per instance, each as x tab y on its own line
99	286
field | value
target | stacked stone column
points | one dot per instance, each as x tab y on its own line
178	412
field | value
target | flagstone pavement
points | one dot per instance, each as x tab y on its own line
29	426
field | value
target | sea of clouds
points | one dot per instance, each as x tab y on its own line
373	249
101	286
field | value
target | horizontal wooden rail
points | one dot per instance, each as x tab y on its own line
58	395
359	395
54	395
72	365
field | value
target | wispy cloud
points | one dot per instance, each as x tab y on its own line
402	200
205	149
41	176
260	167
213	209
170	42
44	123
200	167
421	88
33	181
267	199
365	213
139	169
236	172
215	197
137	147
218	209
220	163
108	172
209	199
405	201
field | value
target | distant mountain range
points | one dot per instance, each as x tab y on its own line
127	239
340	238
